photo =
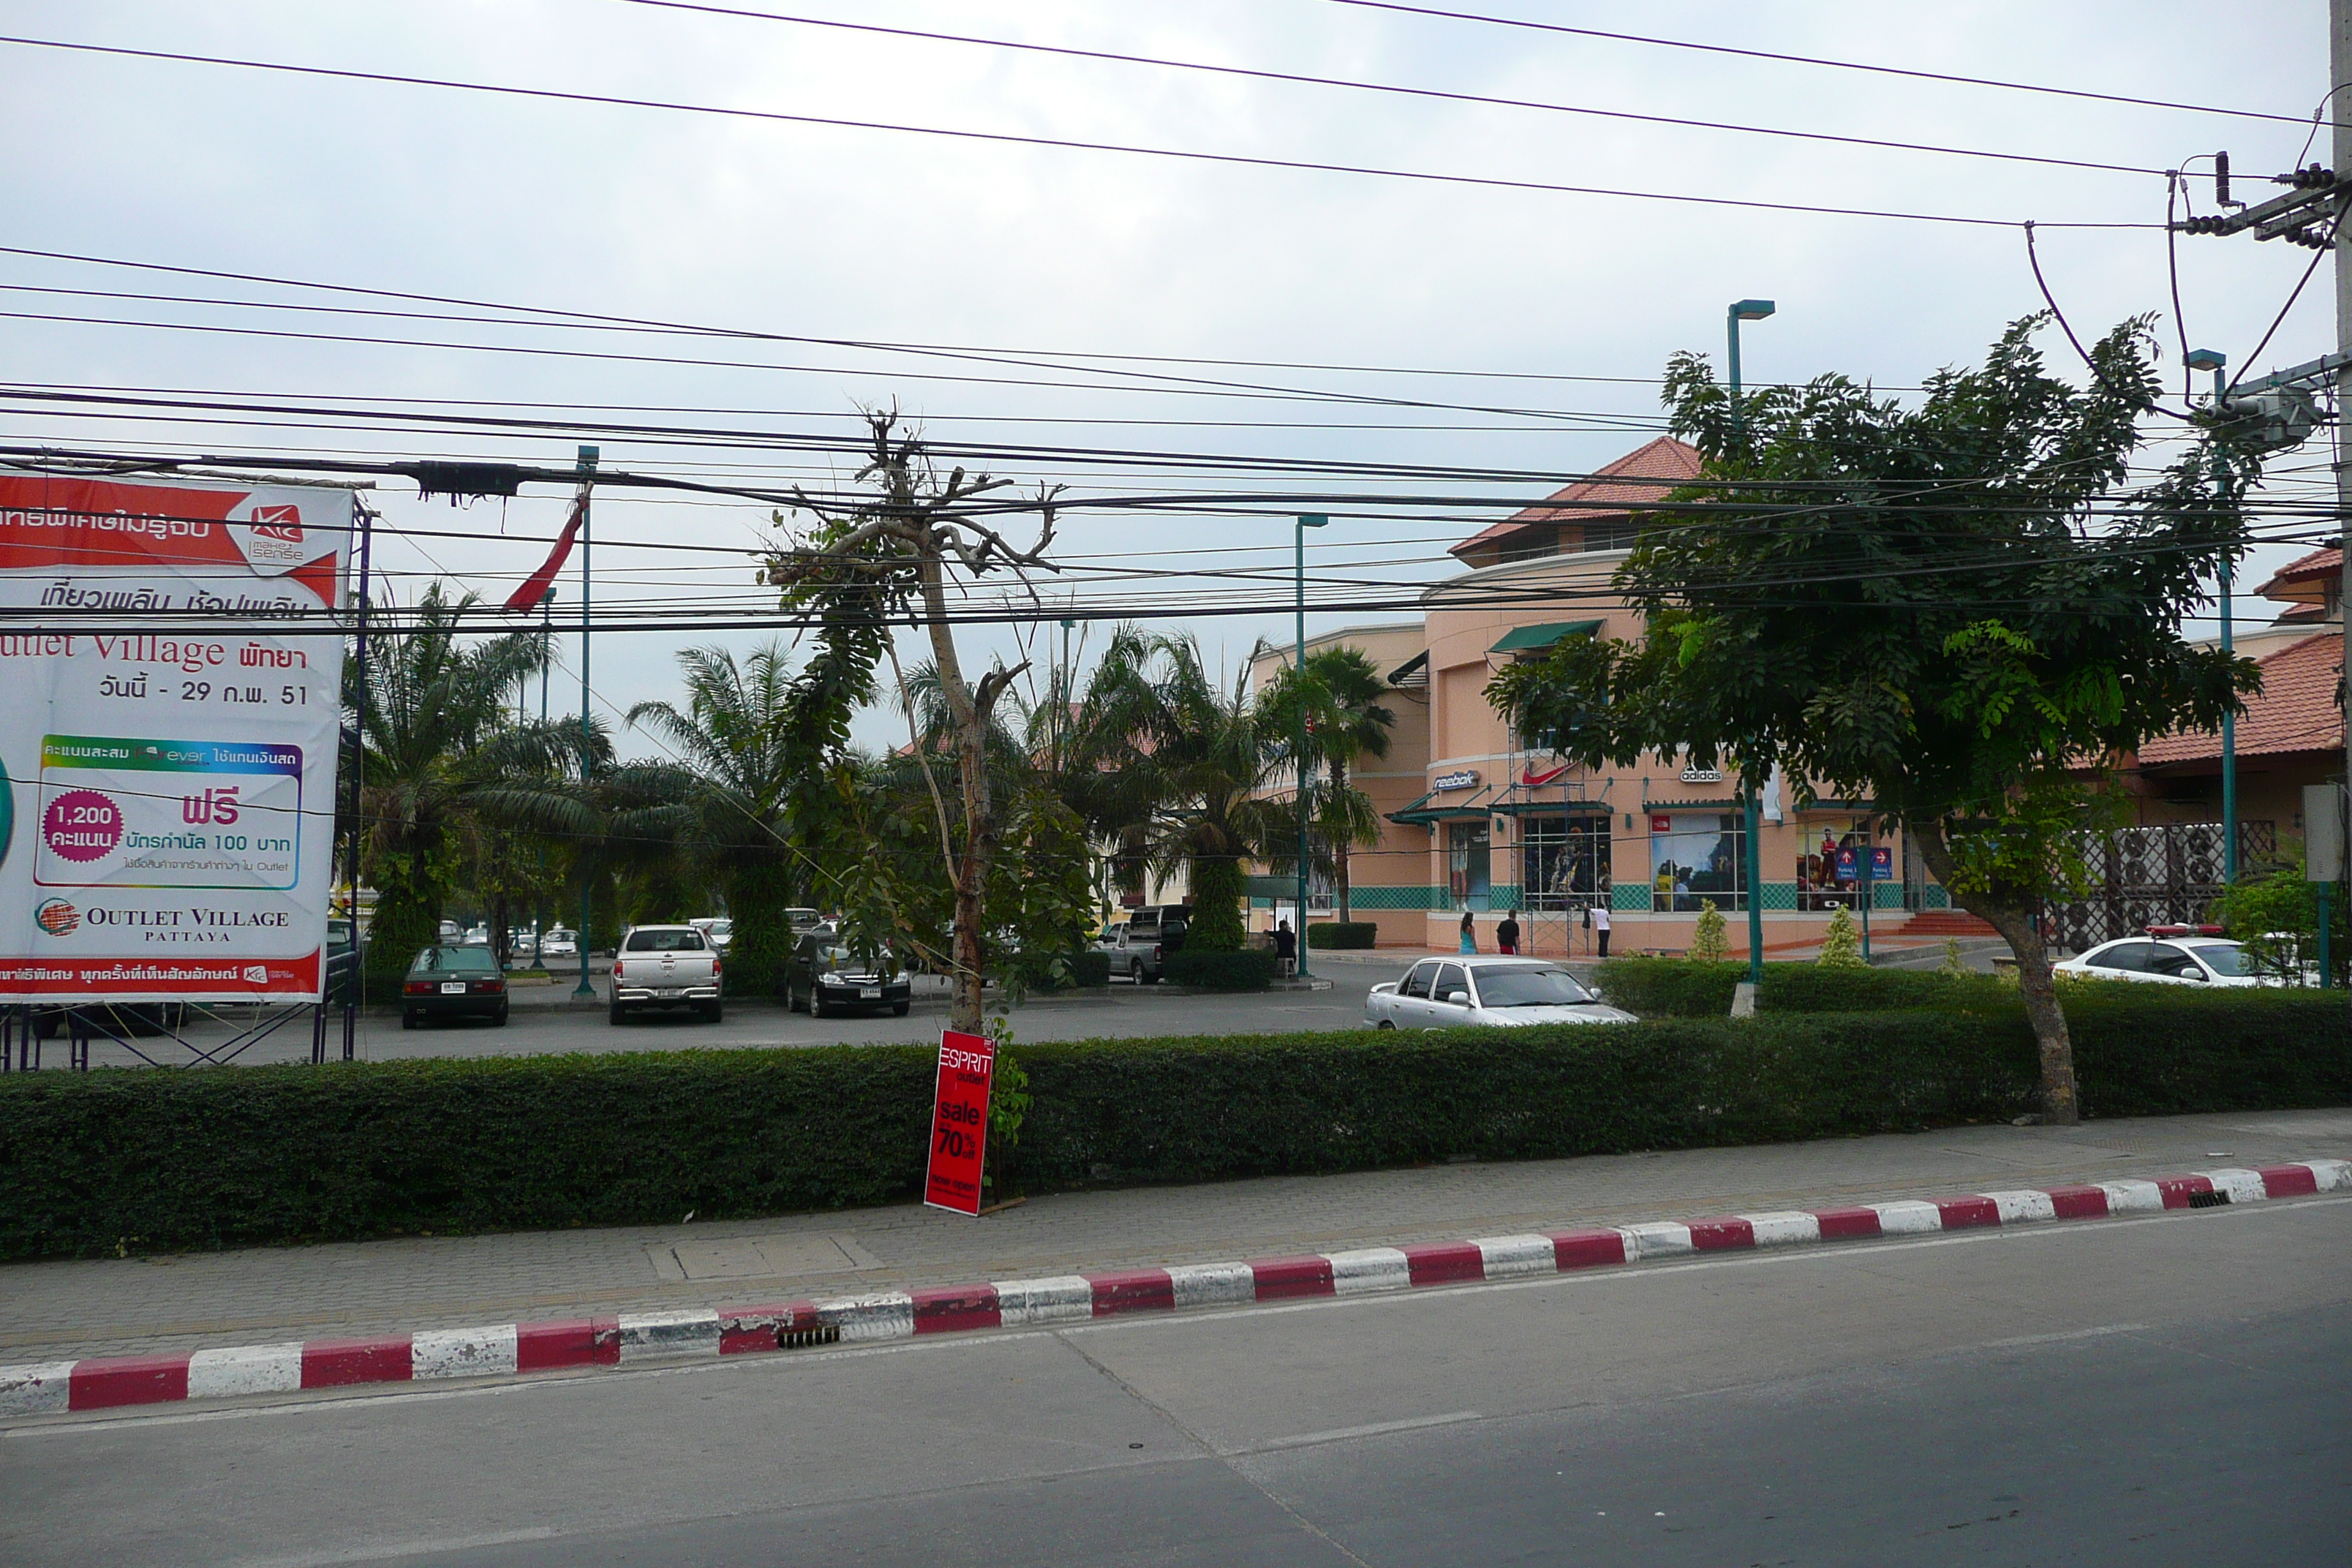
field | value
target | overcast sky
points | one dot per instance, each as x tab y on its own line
877	234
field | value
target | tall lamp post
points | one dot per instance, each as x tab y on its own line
1737	312
584	991
1306	521
2214	359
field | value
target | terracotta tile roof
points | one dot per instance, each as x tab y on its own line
1666	462
2296	712
2303	581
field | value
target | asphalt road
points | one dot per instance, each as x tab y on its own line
544	1020
2157	1391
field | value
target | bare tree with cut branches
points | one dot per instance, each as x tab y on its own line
900	552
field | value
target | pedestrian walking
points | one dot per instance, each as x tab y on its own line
1469	932
1600	927
1507	935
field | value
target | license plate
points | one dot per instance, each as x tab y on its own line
870	993
453	988
672	990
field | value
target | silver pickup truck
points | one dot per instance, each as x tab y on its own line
665	966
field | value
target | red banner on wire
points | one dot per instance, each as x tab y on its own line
960	1122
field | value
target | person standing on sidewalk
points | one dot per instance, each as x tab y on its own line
1469	932
1286	948
1507	935
1599	917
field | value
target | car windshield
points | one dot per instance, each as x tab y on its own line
1515	988
688	941
2223	958
457	959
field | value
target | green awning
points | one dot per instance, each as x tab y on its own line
1284	888
1523	807
1530	639
1421	813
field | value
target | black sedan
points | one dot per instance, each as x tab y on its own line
453	983
826	978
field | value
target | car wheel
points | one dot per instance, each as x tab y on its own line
1387	1024
1135	971
899	1009
407	1019
618	1014
498	1020
713	1011
819	1007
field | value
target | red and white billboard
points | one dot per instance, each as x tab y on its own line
960	1122
168	740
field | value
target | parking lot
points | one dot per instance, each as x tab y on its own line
546	1020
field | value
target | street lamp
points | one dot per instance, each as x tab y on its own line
584	991
2213	360
1305	521
1737	312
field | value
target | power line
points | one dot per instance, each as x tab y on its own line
1295	78
1010	139
2137	103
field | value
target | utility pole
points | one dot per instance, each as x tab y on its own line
1751	779
2340	72
588	455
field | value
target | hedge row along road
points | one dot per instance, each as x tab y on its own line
111	1163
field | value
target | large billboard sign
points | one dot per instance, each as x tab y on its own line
169	742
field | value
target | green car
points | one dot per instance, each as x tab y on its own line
454	983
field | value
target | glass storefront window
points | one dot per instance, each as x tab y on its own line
1469	860
1563	862
1697	858
1819	887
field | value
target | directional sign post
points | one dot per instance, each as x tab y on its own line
960	1122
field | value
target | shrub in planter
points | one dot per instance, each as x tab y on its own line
1249	970
1342	933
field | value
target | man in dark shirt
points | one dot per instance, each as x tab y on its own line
1286	946
1507	935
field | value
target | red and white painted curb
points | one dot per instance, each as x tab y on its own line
513	1349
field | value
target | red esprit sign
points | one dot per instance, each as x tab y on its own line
959	1121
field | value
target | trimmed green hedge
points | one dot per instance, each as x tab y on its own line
1337	935
150	1161
1079	970
1251	969
1688	988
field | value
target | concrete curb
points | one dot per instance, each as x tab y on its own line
511	1350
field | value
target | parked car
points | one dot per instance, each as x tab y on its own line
560	943
1112	942
1145	939
826	978
2187	961
718	931
667	967
453	983
450	932
1449	992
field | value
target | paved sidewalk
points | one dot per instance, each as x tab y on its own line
62	1311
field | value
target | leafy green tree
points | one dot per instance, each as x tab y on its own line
1190	758
1706	943
1943	609
2276	916
735	737
1842	944
1335	699
444	766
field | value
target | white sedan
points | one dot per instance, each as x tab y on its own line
2188	960
1450	993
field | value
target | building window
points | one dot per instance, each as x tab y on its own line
1563	862
1469	860
1529	544
1694	857
1819	887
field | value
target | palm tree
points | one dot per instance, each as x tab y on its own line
443	766
1337	698
734	737
1177	764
